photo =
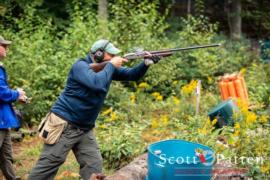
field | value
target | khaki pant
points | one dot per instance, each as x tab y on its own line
84	146
6	155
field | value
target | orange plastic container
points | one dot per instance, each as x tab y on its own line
223	90
233	86
244	86
231	89
239	89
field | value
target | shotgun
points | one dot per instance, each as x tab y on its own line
161	53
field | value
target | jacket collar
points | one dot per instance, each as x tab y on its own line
89	59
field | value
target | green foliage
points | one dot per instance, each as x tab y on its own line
199	7
255	18
204	64
133	22
119	151
258	83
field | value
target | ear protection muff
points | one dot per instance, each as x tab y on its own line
99	54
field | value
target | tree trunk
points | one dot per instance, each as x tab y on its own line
103	10
234	18
103	18
189	7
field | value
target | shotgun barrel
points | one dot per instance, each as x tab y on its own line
166	52
161	53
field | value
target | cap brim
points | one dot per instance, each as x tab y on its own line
5	42
112	50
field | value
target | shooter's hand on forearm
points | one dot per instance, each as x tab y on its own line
151	59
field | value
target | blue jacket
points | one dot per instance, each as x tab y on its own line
7	96
85	91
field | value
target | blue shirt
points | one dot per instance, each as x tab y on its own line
85	91
7	96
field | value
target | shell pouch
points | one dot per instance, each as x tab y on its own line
51	128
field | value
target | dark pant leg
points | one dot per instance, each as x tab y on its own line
54	155
6	155
88	155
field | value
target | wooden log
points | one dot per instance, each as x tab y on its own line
136	170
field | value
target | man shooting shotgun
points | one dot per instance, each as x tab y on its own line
70	123
140	55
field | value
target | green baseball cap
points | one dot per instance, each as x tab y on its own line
3	41
106	45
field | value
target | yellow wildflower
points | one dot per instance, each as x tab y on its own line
258	150
251	117
132	98
236	133
209	80
206	128
143	85
102	126
108	111
237	126
189	88
214	122
236	129
243	71
263	118
265	168
202	131
232	141
157	96
176	100
113	116
154	123
243	107
175	82
208	122
164	119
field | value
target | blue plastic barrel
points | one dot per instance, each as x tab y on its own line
177	160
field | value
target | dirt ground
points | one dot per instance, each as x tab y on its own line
26	154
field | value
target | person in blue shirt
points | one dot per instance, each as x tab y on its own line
8	118
79	105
